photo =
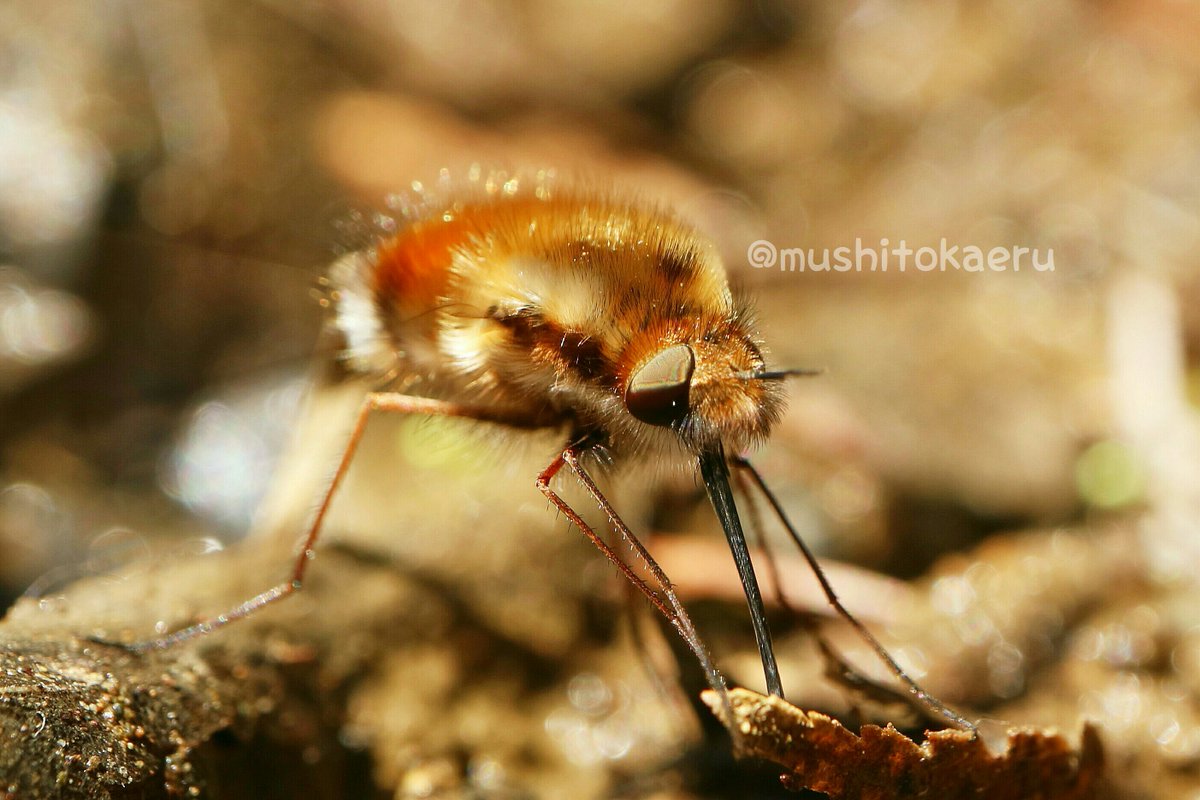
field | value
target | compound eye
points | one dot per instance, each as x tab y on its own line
657	393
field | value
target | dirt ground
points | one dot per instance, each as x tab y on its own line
998	464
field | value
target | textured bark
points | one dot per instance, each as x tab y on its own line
259	698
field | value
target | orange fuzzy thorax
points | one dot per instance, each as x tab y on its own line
553	303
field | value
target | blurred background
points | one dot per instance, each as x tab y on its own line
174	179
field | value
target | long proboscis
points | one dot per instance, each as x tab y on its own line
715	472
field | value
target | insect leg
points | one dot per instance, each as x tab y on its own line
667	602
385	402
914	689
837	668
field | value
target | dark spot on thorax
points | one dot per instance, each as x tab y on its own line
584	354
523	323
677	266
544	339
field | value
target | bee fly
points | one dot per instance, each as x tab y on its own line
543	307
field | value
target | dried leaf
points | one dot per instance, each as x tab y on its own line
819	753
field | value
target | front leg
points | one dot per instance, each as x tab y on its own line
664	598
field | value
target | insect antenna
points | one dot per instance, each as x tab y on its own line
919	694
779	374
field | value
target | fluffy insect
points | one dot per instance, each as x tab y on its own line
612	321
561	308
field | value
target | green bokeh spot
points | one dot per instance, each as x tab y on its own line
1109	475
